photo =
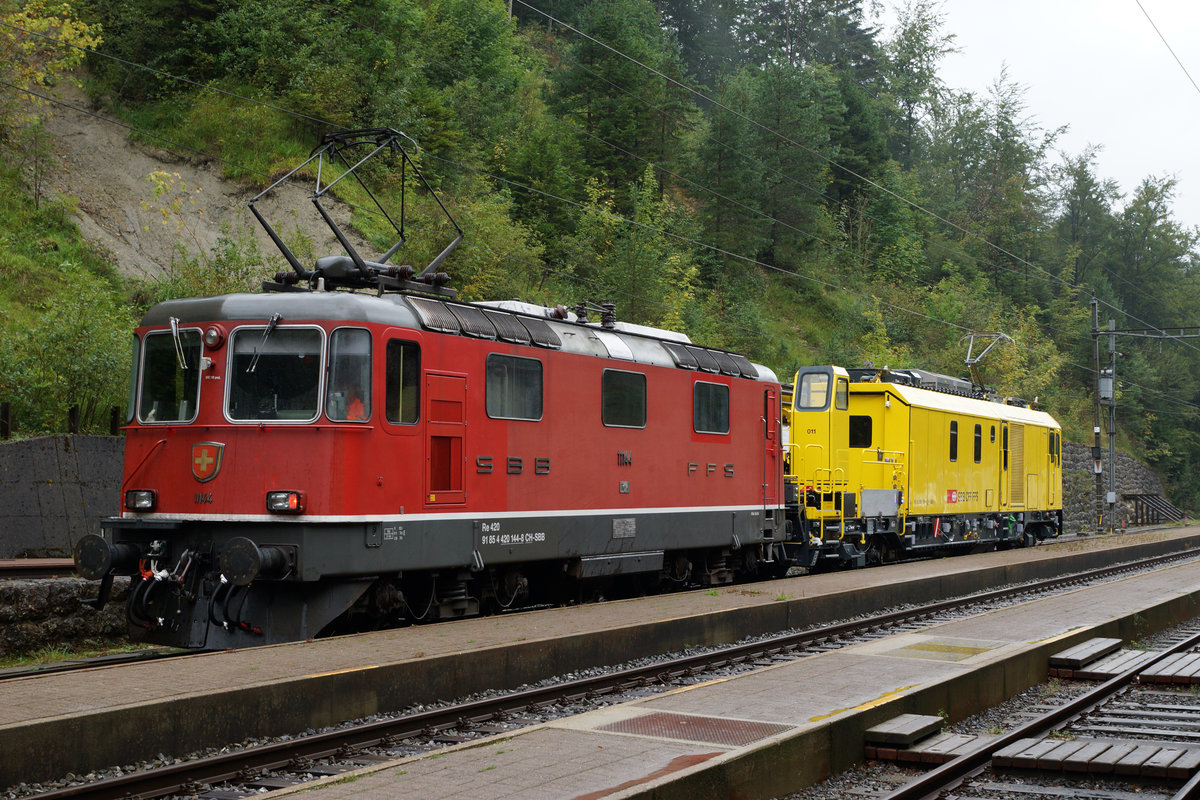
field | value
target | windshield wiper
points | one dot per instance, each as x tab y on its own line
258	352
178	344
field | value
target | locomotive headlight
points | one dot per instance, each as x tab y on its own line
141	500
213	338
285	502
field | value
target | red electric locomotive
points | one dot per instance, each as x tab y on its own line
305	460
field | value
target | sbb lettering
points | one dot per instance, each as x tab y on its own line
513	465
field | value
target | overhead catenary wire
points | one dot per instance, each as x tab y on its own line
1170	49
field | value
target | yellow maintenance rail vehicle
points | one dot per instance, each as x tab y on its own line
884	464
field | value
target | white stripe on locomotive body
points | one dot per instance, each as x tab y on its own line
455	516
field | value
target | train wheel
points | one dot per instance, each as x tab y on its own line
679	570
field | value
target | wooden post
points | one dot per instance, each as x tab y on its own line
6	420
73	419
114	421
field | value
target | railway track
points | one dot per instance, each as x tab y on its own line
36	568
332	752
1124	729
110	660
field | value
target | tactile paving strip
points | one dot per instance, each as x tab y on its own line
711	730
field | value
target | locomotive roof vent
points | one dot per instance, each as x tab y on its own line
345	152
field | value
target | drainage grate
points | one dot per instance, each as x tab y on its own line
729	732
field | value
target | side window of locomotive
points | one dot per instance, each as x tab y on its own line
954	440
514	387
623	399
402	392
275	374
978	443
993	439
860	430
348	386
710	408
131	407
170	377
841	400
814	391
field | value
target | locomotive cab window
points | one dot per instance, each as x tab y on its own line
860	430
402	379
348	397
131	406
710	408
841	399
275	374
814	391
170	376
514	387
623	399
954	440
978	443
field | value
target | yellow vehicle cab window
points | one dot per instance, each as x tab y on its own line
841	400
814	391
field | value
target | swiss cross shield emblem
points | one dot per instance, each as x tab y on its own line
206	460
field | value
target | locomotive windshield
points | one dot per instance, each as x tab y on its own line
286	380
814	391
170	377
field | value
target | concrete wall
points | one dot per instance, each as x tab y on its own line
54	490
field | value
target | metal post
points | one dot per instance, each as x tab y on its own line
1112	426
1097	468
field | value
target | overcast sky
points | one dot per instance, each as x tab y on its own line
1098	67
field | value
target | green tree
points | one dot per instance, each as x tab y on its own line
75	354
1154	253
912	87
620	106
649	273
40	42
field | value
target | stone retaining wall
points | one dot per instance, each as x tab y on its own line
49	613
1080	509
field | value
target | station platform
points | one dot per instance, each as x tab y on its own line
779	729
80	721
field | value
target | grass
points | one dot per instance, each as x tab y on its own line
55	653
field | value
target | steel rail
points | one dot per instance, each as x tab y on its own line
111	660
12	568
